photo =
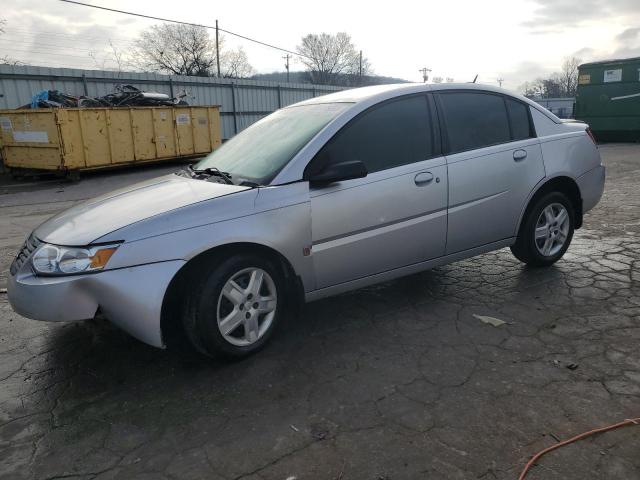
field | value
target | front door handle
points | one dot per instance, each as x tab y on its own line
519	155
423	178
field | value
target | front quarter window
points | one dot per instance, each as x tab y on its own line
258	153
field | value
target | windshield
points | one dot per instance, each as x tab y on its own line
258	153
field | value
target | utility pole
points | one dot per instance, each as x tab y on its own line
500	80
425	73
286	65
360	69
217	49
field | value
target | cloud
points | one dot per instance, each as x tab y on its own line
546	31
584	53
58	34
525	72
626	44
628	35
571	13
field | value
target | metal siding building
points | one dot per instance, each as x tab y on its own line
562	107
242	102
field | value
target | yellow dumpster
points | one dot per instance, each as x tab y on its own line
76	139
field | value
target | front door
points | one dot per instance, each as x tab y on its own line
396	215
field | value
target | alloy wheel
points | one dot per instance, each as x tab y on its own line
247	306
552	229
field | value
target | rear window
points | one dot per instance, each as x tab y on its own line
519	116
474	120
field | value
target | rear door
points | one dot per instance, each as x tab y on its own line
494	161
396	215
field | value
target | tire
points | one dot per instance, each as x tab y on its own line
208	306
531	246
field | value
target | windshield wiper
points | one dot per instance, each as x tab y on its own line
247	183
210	171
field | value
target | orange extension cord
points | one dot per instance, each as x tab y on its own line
536	457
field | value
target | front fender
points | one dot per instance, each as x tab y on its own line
286	230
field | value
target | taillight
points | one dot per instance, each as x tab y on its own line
590	133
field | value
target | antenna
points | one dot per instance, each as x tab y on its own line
475	78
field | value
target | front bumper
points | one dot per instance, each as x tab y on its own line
591	186
130	297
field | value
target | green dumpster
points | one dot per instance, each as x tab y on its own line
608	98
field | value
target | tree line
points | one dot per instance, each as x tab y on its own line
180	49
559	84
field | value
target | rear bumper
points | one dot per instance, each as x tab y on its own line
591	186
131	298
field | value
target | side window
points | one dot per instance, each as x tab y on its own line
474	120
544	125
392	134
519	116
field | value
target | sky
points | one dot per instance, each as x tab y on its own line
513	40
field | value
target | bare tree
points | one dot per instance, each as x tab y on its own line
568	76
6	60
327	56
552	87
176	48
531	89
235	64
97	62
112	56
563	84
543	88
185	50
118	57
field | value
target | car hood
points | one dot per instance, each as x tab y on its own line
87	221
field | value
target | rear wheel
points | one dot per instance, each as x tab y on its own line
234	309
546	231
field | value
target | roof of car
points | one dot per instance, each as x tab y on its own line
381	92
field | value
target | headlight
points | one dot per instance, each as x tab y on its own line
55	260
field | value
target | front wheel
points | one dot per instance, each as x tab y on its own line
234	309
546	231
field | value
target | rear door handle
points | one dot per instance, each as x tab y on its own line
423	178
519	155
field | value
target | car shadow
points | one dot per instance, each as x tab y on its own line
104	364
106	349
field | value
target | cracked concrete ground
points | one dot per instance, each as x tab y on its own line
395	381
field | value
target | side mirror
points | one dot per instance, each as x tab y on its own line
337	172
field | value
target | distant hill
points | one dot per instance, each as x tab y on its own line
341	80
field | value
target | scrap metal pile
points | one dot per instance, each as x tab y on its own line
124	96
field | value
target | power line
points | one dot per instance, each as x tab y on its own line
47	53
89	60
71	36
161	19
98	55
7	43
67	64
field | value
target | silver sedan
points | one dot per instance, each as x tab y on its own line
321	197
